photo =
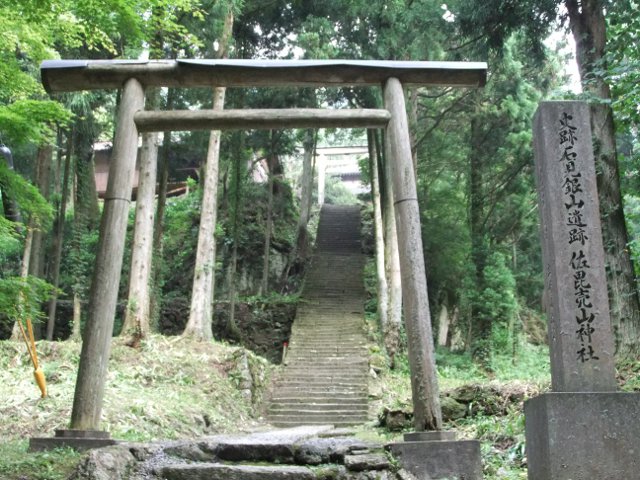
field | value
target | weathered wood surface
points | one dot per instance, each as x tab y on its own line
73	75
266	119
96	345
424	382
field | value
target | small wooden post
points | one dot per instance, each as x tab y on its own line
424	382
96	345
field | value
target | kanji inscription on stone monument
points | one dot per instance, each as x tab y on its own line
580	336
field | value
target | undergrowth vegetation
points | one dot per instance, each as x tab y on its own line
169	388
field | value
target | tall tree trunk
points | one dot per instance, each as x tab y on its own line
232	328
588	26
43	177
9	206
86	208
16	333
306	191
264	284
236	212
158	227
481	323
38	247
382	290
201	312
392	262
85	205
57	241
136	320
302	247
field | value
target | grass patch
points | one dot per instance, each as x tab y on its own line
17	464
168	388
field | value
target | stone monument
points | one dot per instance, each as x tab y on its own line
583	429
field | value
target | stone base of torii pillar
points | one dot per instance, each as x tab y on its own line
76	439
438	456
583	429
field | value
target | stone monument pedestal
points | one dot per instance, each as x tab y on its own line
437	455
574	436
76	439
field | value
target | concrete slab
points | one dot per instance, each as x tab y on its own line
575	436
440	460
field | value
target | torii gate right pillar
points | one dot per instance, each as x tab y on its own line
424	383
434	454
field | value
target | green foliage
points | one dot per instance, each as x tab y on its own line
30	120
503	444
621	65
531	364
632	214
18	464
78	258
335	192
26	196
498	301
22	298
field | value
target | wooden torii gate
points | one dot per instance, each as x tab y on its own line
133	76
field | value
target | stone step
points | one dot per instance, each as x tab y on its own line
218	471
325	347
338	382
296	388
287	420
335	383
353	339
337	336
323	378
315	323
326	341
309	350
296	385
344	361
327	417
325	372
325	398
320	374
280	407
309	366
293	385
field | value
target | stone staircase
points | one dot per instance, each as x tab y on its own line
325	377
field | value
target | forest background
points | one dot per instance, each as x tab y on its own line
472	152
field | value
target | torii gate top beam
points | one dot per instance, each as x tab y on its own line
74	75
